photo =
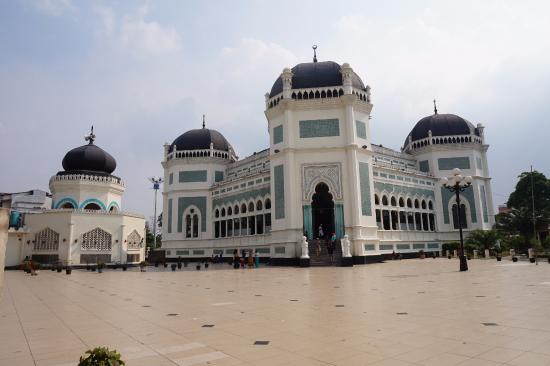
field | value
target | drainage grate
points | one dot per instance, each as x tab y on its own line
490	324
420	292
261	343
293	300
258	295
172	314
339	306
402	313
480	296
208	325
127	299
146	306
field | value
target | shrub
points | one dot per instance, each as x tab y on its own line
101	356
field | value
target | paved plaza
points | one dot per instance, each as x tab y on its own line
411	312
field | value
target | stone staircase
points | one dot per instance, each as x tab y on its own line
324	258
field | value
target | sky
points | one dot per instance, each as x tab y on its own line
144	72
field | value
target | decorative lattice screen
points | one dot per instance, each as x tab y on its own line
96	239
134	240
46	239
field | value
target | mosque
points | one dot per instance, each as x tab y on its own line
321	170
81	221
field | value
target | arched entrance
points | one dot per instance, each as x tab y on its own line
92	206
322	210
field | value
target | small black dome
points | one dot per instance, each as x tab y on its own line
441	125
89	158
200	139
316	75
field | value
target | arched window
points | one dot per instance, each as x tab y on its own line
430	205
267	204
69	205
409	203
223	212
401	202
259	205
217	213
236	209
92	206
96	239
393	201
416	204
195	226
251	207
187	226
112	209
46	239
243	208
423	204
229	211
463	220
384	200
376	200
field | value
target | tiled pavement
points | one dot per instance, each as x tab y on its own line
411	312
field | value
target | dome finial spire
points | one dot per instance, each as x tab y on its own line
435	107
203	121
91	136
314	52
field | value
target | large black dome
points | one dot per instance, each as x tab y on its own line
441	125
199	139
89	158
316	75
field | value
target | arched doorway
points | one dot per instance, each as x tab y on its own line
322	210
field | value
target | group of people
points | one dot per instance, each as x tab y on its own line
250	258
329	241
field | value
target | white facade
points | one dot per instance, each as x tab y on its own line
321	167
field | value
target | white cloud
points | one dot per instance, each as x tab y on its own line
147	36
53	7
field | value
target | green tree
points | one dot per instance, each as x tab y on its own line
483	239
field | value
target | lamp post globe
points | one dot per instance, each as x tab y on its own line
156	186
458	183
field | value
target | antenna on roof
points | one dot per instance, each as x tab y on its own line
314	52
91	136
435	107
203	123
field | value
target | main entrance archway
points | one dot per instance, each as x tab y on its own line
322	210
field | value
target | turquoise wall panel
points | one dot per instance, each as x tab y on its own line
462	162
339	220
308	227
484	204
169	215
364	185
277	134
361	129
319	128
424	166
218	176
184	202
190	176
467	194
279	190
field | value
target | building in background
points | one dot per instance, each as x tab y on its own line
84	222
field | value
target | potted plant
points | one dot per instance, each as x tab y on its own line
101	356
198	266
173	266
165	264
422	254
156	264
143	265
124	266
68	268
94	268
100	266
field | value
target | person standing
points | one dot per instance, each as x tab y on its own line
321	232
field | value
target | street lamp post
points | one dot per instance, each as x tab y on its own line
456	184
156	186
